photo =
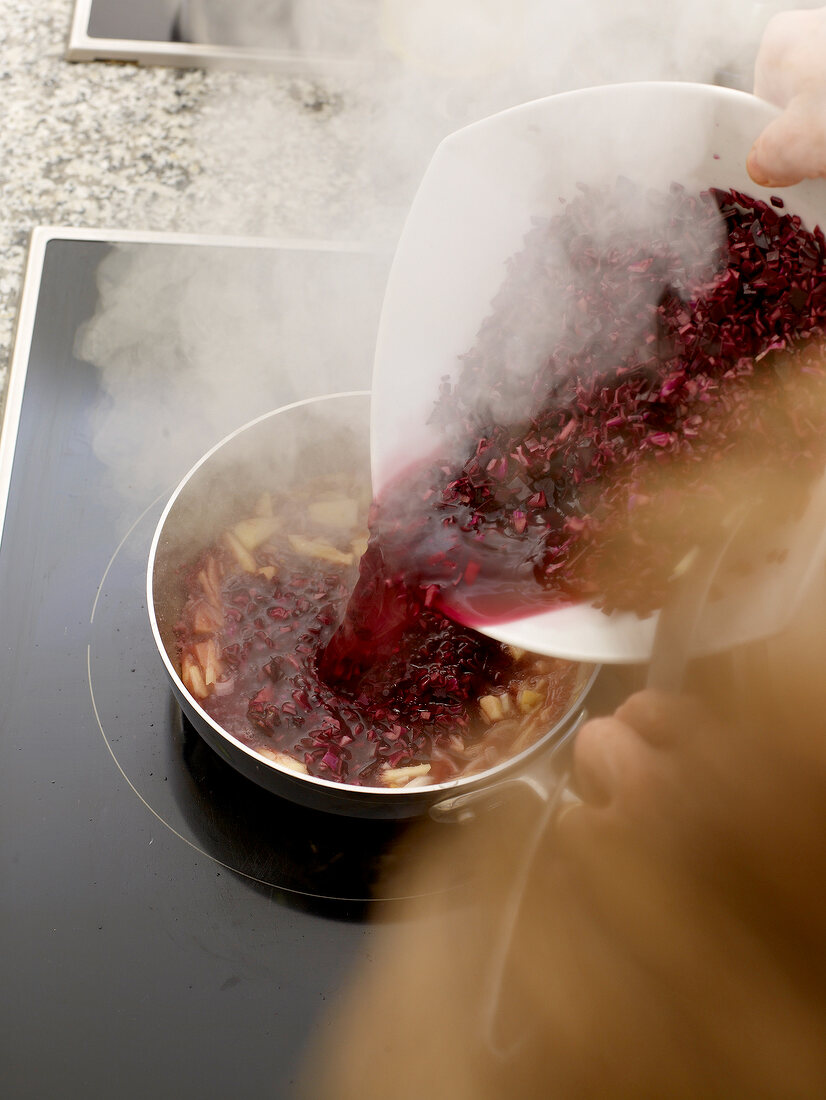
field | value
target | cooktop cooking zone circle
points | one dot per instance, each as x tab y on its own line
190	790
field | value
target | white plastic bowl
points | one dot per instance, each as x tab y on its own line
474	206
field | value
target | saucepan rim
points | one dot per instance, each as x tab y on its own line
428	792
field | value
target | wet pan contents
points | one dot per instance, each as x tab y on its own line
415	699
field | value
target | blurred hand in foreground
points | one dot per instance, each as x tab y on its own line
669	941
790	71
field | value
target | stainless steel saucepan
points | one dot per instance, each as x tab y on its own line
309	437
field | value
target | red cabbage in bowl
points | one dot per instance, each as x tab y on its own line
635	376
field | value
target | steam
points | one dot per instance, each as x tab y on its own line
192	342
189	345
382	81
537	308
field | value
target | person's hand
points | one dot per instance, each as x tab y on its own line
791	71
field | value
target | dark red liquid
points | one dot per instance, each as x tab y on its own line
397	685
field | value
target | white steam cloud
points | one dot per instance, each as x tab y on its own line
189	344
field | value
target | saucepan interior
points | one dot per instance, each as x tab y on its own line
286	447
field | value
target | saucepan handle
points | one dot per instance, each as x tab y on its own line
543	780
549	783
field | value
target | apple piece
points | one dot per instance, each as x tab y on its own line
528	700
400	777
284	760
210	581
255	530
340	512
193	678
318	548
209	658
491	707
240	552
205	619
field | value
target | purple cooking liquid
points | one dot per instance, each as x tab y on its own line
409	697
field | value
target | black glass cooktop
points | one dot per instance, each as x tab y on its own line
168	928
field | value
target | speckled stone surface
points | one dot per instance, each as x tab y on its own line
102	144
117	145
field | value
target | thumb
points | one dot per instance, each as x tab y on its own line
793	146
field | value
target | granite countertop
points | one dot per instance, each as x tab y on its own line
119	146
112	145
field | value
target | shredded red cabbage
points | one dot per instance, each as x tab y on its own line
586	470
418	704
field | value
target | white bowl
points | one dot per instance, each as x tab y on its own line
475	204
